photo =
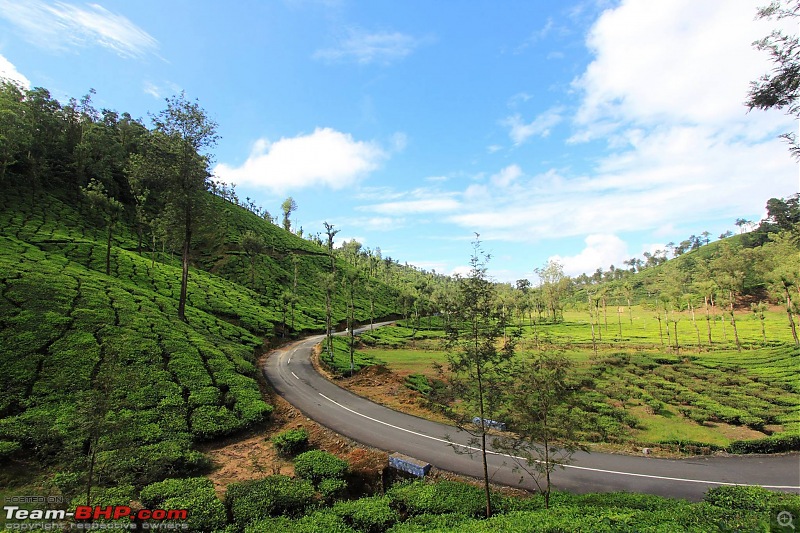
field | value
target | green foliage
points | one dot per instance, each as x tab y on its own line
270	496
291	441
317	465
368	515
431	522
774	444
8	448
323	521
331	488
205	511
746	498
420	497
419	383
152	496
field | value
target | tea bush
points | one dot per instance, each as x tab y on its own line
316	465
270	496
291	441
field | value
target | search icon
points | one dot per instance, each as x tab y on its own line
785	519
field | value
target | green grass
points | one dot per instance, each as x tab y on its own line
339	363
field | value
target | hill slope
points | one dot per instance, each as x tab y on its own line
96	371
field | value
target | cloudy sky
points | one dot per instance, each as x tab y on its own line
588	131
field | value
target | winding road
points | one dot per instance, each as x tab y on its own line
293	376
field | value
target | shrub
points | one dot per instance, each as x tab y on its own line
369	515
211	421
205	512
418	382
774	444
316	465
740	497
419	497
318	522
291	441
330	489
270	496
153	462
431	522
153	495
9	448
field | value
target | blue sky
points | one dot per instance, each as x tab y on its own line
587	132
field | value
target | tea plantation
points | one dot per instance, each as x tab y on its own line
98	373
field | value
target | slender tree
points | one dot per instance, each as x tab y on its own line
107	208
478	367
541	402
183	132
329	284
253	246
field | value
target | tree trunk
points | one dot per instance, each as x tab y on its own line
660	329
791	318
108	250
677	345
733	323
185	275
694	323
90	475
546	445
708	319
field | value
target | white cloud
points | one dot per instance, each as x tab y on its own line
399	141
364	48
666	91
520	131
463	271
10	72
160	91
60	26
377	223
506	177
409	207
681	60
325	158
601	251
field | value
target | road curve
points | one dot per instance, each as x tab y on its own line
293	376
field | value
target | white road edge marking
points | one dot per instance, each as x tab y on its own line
295	376
650	476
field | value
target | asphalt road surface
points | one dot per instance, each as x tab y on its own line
292	375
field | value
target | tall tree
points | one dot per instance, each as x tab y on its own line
554	284
183	133
781	88
477	364
729	267
329	282
15	130
253	245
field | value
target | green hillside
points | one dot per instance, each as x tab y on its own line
95	362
